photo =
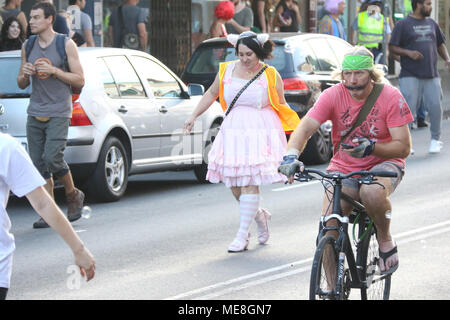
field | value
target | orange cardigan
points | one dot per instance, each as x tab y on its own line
288	117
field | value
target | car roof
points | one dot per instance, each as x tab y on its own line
276	37
97	51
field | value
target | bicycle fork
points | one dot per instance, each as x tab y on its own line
340	274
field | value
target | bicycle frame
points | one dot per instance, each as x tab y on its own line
343	243
358	272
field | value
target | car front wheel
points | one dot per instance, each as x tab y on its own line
201	170
319	148
110	178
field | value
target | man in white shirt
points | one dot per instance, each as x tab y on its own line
81	21
18	174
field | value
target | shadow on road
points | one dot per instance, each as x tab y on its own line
138	186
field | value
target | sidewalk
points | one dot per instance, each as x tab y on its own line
445	84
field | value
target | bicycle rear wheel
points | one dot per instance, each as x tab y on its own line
378	286
324	270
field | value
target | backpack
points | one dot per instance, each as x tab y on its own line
60	48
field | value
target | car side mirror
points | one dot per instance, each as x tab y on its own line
195	89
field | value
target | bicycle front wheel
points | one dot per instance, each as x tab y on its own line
324	270
378	287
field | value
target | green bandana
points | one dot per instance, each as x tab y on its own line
357	62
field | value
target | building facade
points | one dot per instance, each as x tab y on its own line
193	18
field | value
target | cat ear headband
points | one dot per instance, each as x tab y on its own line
260	38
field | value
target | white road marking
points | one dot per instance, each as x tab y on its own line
232	285
239	279
295	186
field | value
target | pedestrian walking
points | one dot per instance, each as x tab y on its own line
12	9
127	26
12	35
406	9
251	142
242	20
81	21
18	174
372	29
50	107
287	16
75	36
418	40
331	22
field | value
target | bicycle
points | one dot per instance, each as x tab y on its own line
335	271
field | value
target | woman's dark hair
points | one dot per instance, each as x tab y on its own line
262	52
5	28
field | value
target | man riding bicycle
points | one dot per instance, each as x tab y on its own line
381	142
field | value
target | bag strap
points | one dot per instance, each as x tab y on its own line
243	89
365	110
29	45
60	48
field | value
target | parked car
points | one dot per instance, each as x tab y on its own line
127	120
305	63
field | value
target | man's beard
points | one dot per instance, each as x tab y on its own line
425	13
357	88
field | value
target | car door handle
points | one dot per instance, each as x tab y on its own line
123	109
163	109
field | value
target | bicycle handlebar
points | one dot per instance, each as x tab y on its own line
339	176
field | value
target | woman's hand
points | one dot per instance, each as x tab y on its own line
188	125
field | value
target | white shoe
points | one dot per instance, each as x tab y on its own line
262	217
239	244
435	146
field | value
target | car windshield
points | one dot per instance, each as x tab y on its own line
206	59
8	86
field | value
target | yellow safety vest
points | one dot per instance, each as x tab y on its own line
288	117
370	30
407	7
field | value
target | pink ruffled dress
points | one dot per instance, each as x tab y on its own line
251	142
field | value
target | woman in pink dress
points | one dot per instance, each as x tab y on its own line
251	141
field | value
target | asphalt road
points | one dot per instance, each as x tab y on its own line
168	238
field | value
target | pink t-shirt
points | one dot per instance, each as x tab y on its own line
336	104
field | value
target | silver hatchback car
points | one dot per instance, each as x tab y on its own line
127	120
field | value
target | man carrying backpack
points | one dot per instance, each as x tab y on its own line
127	26
50	107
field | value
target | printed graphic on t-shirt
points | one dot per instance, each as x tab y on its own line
43	75
424	32
404	109
367	129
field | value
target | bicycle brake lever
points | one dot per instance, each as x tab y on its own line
379	184
304	177
371	181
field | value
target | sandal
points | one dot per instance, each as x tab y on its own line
385	256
